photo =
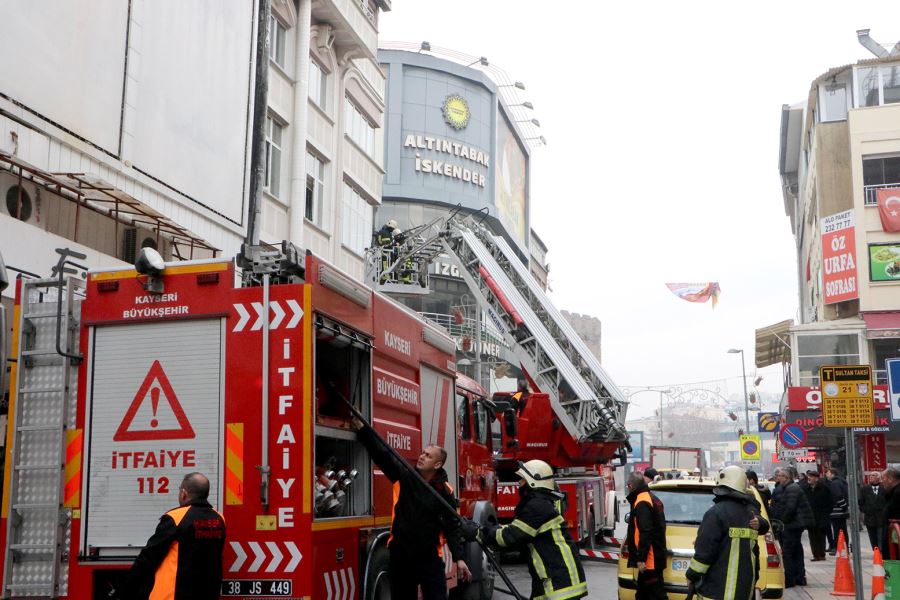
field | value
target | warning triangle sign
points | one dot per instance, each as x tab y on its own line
154	390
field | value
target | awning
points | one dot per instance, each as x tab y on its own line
880	325
773	344
93	193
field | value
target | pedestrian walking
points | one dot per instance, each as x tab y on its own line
419	520
725	565
790	506
820	501
764	493
183	558
555	566
872	502
890	478
840	510
646	540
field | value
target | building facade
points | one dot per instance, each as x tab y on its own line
143	136
455	141
839	163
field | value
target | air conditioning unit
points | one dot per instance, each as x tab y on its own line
135	238
20	199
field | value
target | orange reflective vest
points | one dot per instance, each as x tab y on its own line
396	489
644	497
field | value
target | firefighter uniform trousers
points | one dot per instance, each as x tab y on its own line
556	571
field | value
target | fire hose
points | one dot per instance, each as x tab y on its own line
512	591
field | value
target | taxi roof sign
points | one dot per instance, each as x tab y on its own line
847	395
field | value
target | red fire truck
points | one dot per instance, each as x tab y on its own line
128	381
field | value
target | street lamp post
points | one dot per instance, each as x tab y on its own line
744	381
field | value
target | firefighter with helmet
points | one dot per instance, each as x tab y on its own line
388	239
726	557
556	571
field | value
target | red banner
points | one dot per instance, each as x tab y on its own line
875	452
839	257
810	398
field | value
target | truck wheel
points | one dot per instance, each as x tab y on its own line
378	580
483	589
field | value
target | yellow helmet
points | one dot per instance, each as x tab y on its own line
733	477
537	474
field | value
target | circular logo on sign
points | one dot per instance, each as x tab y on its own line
831	389
456	111
750	447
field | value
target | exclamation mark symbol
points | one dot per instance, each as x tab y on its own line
154	404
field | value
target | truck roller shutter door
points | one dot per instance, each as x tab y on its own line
154	415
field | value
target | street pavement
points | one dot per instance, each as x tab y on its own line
602	583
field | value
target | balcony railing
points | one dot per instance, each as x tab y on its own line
871	191
466	328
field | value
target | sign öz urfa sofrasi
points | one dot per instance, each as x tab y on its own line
839	275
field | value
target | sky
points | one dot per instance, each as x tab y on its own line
661	165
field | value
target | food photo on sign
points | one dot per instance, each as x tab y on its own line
884	262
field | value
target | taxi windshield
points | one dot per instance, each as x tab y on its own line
685	506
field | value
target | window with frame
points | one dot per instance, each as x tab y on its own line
315	188
317	84
277	35
813	351
462	417
878	173
877	86
357	220
274	131
358	128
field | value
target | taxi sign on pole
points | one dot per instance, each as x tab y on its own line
750	448
847	396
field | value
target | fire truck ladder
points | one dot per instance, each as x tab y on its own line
583	396
38	524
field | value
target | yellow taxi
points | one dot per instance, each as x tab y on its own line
685	502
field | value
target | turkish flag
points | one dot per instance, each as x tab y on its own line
889	208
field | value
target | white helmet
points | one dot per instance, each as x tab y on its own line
537	474
733	477
392	224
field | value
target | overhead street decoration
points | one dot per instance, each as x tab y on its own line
750	448
847	396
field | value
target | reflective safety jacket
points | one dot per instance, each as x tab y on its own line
646	537
183	558
556	571
726	556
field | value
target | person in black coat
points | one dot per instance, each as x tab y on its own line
840	509
764	493
790	506
890	478
872	502
820	501
419	520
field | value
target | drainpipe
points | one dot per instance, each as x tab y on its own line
862	35
300	108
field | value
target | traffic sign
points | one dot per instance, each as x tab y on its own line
847	396
893	377
792	436
750	448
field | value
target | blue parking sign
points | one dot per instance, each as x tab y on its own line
893	376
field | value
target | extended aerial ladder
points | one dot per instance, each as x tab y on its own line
584	398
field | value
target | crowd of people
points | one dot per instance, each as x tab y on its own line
729	530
